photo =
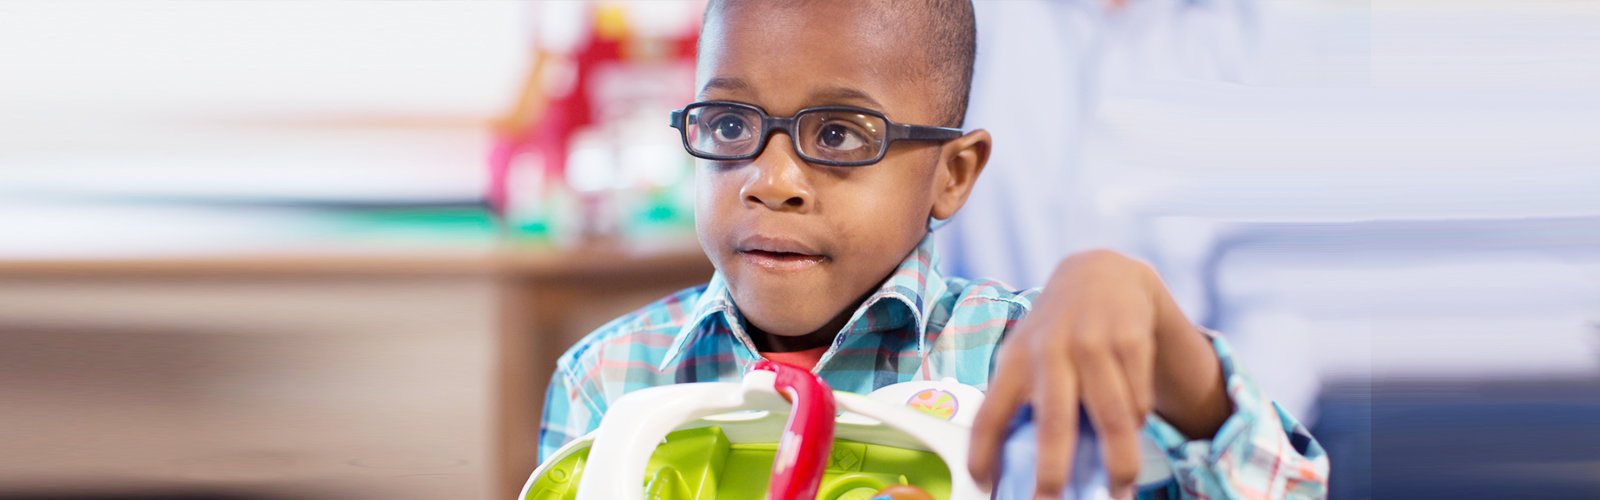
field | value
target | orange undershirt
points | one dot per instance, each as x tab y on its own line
805	359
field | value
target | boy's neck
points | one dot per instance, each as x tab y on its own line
766	342
822	337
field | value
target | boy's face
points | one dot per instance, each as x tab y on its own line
799	243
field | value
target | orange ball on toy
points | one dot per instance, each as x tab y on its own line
902	492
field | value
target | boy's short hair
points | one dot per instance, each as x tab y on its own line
950	35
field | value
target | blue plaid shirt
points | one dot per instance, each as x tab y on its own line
918	326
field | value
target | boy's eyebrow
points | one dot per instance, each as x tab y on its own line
725	84
846	94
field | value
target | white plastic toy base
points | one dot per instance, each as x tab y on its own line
751	411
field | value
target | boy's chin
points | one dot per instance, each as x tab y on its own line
784	319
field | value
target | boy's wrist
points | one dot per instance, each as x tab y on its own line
1190	391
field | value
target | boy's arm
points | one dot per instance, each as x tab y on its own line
1106	336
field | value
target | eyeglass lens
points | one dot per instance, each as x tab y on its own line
723	130
827	135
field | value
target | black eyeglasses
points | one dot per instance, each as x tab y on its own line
841	136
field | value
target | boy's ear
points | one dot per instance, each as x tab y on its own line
961	160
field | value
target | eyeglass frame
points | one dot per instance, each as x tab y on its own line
769	124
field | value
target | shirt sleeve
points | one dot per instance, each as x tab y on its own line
1260	452
569	412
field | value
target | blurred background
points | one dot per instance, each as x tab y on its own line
329	250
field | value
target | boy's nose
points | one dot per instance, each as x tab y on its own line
778	179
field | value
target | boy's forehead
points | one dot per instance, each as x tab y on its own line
785	56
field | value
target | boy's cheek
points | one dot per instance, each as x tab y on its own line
709	217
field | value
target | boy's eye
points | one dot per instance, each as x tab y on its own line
729	128
836	136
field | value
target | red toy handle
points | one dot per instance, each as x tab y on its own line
808	436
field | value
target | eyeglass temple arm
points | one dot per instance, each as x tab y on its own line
923	133
677	119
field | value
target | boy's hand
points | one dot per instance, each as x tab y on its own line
1104	334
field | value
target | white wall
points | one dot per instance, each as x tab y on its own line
111	113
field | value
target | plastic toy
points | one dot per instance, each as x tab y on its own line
779	434
902	492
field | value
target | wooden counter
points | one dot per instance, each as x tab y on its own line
546	300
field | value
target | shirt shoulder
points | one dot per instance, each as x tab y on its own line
641	335
984	299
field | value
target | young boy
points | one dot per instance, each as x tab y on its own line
825	155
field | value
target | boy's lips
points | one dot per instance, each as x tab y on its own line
778	254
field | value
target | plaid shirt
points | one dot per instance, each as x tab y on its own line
918	326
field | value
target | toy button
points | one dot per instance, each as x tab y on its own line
847	457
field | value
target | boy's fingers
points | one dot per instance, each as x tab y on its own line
1116	422
1055	406
1138	364
990	426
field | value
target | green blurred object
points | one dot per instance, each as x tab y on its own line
403	225
662	212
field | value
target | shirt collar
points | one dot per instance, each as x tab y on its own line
915	286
